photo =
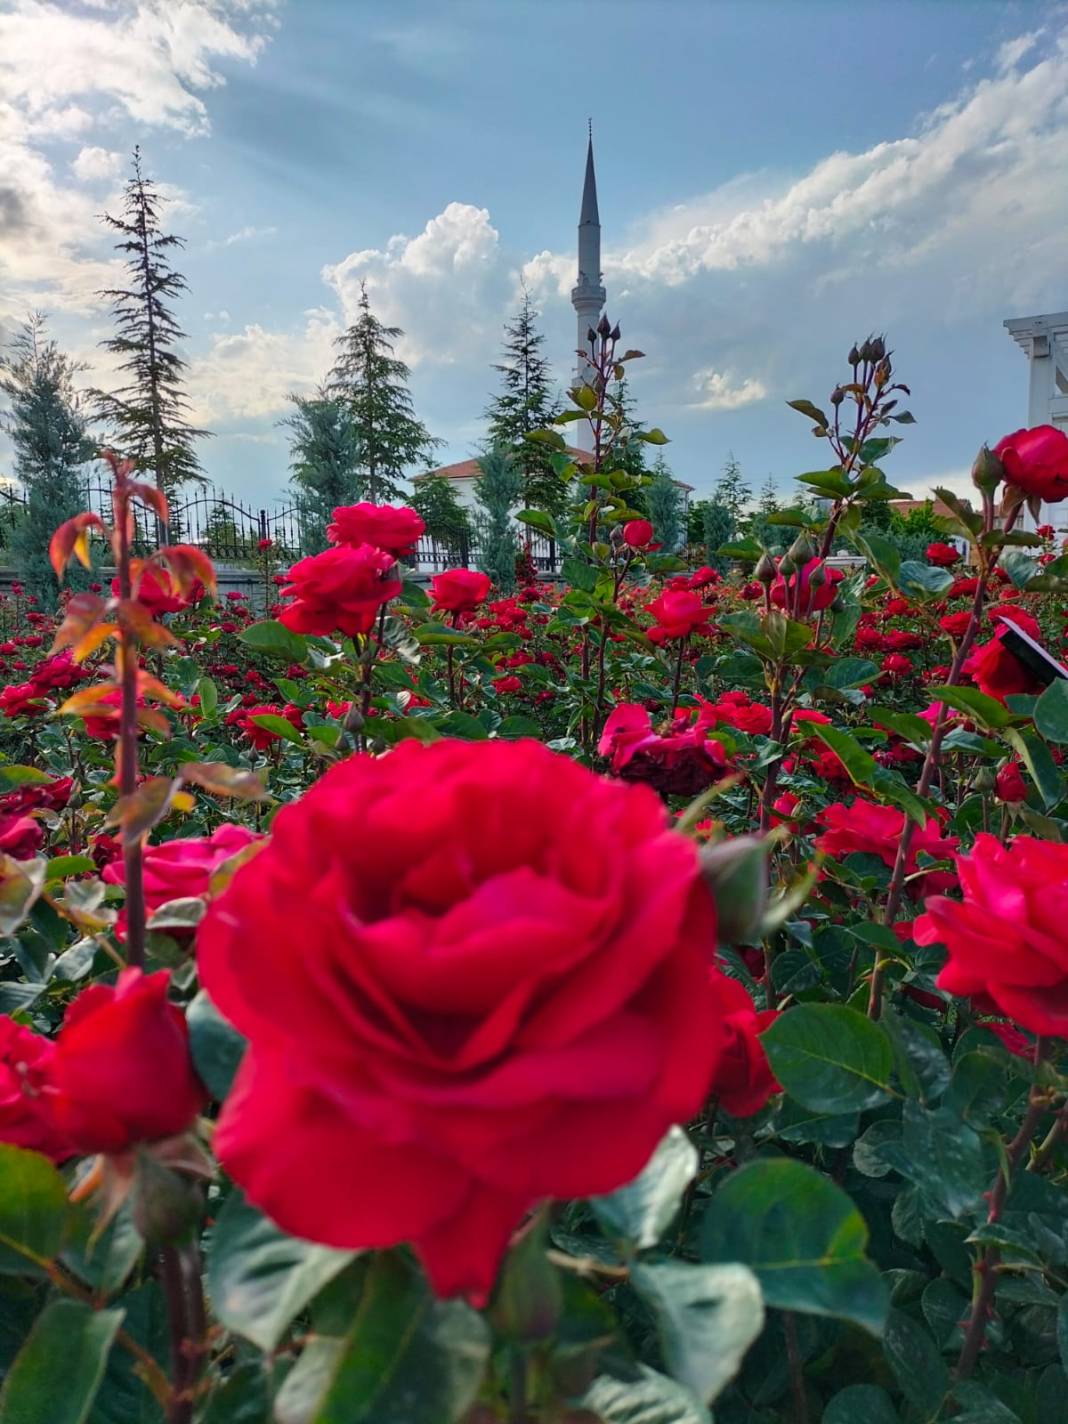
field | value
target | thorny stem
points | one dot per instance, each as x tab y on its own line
985	1271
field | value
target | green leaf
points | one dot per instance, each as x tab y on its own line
404	1357
439	635
209	696
642	1211
803	1238
217	1048
920	1371
831	1058
829	482
275	640
260	1278
653	437
971	520
882	554
922	581
906	724
976	705
1039	761
1020	567
707	1317
1062	1331
280	726
813	412
648	1398
1051	712
518	726
946	1158
859	763
64	865
860	1404
34	1212
538	519
844	673
12	775
57	1372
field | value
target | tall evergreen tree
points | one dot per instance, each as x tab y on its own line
497	491
148	413
447	522
732	491
325	454
664	500
717	529
768	499
524	404
48	430
629	454
373	385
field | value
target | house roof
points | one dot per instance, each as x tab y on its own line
906	506
471	469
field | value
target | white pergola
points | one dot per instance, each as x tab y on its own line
1044	341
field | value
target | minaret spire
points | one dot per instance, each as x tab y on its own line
588	294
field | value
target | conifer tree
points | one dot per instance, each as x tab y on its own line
148	413
48	430
373	385
325	454
497	491
732	491
768	499
525	404
664	501
447	522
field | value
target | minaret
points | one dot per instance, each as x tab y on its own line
588	295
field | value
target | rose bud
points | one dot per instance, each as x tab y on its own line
637	533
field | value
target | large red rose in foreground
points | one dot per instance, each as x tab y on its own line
339	590
472	976
1008	938
1036	461
395	528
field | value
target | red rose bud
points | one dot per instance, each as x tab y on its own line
122	1071
743	1082
1036	462
1009	784
637	533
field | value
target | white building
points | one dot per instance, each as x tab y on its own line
1044	341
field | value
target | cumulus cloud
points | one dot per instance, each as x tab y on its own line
250	374
718	390
96	165
446	287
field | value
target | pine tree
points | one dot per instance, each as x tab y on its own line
768	500
732	491
48	430
629	455
148	414
525	404
498	490
664	500
447	522
373	385
325	455
224	539
717	529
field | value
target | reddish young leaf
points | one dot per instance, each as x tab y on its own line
72	538
185	564
149	495
223	780
82	615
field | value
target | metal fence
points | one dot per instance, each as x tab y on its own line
231	530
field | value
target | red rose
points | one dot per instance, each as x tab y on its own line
877	830
339	590
181	869
264	544
743	1081
736	709
1008	938
1009	784
25	1060
703	577
260	737
678	614
385	526
20	837
459	590
943	555
22	700
637	533
454	1015
507	684
955	624
997	671
122	1071
681	761
1036	461
153	591
814	596
896	665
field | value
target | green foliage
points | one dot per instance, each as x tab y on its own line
325	458
664	503
48	430
525	404
498	490
148	413
372	384
732	492
447	521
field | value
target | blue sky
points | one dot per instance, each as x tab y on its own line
776	178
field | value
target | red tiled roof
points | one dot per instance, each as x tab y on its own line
471	469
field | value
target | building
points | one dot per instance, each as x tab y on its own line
588	297
1044	341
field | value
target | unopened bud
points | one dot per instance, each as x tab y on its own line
604	327
854	356
787	566
616	333
985	779
765	569
876	348
166	1206
818	577
865	350
988	471
837	396
882	372
616	536
800	551
591	336
736	873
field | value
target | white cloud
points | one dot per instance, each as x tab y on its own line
250	374
96	165
446	288
717	390
1012	51
248	234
